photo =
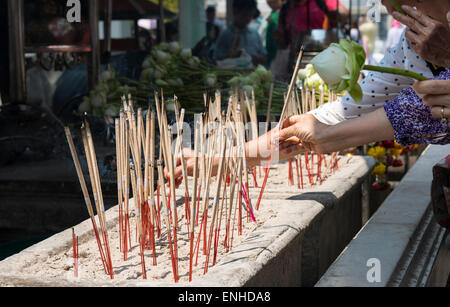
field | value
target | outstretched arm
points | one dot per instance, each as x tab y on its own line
295	139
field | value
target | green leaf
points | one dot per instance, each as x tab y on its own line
356	93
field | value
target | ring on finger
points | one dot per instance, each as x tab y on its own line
443	114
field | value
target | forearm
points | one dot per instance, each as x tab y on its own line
372	127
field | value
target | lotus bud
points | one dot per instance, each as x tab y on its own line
147	64
161	56
340	65
210	80
107	75
174	47
186	54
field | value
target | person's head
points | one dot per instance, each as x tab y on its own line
243	12
275	5
210	13
436	9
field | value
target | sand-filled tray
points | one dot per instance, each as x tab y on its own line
51	262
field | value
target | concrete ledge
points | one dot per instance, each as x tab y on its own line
402	235
293	248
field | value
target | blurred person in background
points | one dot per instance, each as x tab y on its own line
257	21
296	20
394	34
211	18
272	25
355	35
369	32
204	49
297	16
238	41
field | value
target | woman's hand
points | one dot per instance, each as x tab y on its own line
429	38
303	133
436	94
189	157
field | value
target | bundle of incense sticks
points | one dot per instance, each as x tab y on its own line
211	203
301	105
135	159
102	240
296	105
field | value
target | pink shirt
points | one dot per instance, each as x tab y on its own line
317	16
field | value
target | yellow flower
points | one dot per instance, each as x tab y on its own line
377	152
396	151
397	145
379	169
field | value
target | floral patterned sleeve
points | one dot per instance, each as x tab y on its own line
378	88
412	120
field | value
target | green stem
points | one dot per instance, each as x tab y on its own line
397	7
396	71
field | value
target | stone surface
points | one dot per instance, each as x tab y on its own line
293	248
391	231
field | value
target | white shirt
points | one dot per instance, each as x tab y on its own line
394	36
378	88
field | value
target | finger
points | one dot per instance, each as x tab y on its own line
285	145
436	112
411	23
418	15
414	38
294	150
291	140
287	133
166	173
437	100
433	87
292	120
178	182
178	172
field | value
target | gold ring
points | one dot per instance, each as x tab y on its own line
442	114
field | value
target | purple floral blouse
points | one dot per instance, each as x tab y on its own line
412	120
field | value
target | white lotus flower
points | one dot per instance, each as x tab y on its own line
340	65
308	71
210	80
174	47
331	64
161	56
106	75
314	82
186	54
147	64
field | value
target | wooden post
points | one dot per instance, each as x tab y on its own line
94	57
16	53
162	27
229	12
107	29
